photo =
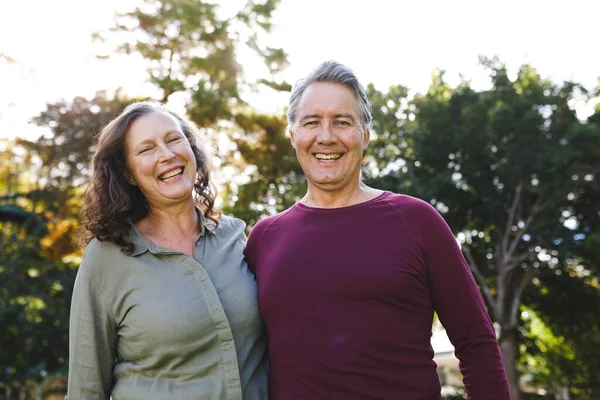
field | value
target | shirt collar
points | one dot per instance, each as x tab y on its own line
141	244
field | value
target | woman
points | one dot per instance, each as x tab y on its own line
164	306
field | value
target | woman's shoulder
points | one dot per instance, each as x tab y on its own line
101	248
100	256
231	223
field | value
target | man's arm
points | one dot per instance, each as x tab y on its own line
460	307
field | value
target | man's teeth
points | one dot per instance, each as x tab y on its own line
171	174
328	156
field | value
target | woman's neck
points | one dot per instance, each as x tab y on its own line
169	222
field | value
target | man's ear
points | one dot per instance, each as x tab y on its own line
292	138
366	138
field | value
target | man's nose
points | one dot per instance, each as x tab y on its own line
326	134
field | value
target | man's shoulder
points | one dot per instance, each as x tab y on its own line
406	201
410	206
267	221
257	238
263	224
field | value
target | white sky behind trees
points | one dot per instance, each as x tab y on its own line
384	41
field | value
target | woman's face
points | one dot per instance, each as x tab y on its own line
160	160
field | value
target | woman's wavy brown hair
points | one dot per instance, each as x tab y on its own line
111	202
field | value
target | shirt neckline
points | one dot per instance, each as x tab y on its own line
381	196
141	244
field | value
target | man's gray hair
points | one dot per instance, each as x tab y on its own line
331	72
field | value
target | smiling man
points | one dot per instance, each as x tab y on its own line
349	277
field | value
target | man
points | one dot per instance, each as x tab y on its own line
350	277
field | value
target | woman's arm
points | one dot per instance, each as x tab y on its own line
92	338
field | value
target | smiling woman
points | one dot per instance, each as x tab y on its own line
160	159
146	140
164	305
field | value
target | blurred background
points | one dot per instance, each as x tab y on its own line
488	110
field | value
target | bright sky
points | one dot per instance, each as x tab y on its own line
384	41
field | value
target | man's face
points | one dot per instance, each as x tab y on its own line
329	138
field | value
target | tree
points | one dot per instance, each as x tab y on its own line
273	179
36	275
512	169
561	335
40	198
191	48
66	150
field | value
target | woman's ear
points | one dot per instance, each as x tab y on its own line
129	178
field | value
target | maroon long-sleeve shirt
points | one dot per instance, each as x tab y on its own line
348	297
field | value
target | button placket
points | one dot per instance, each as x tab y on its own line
224	333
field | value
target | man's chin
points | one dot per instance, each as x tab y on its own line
327	185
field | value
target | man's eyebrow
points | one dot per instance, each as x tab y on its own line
349	116
309	116
343	115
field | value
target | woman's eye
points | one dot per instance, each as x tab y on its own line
145	150
174	139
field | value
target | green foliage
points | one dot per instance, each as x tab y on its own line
65	152
39	202
191	47
35	287
563	348
274	179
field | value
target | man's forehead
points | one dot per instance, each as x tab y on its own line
327	98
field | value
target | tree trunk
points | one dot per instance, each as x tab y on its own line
510	354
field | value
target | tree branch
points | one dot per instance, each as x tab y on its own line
537	207
518	260
487	294
525	280
511	220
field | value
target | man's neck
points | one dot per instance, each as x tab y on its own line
318	198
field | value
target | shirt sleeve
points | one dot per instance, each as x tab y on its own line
92	339
461	310
251	251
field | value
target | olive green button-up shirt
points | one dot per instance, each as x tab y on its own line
162	325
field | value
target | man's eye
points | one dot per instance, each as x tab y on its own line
343	124
311	123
